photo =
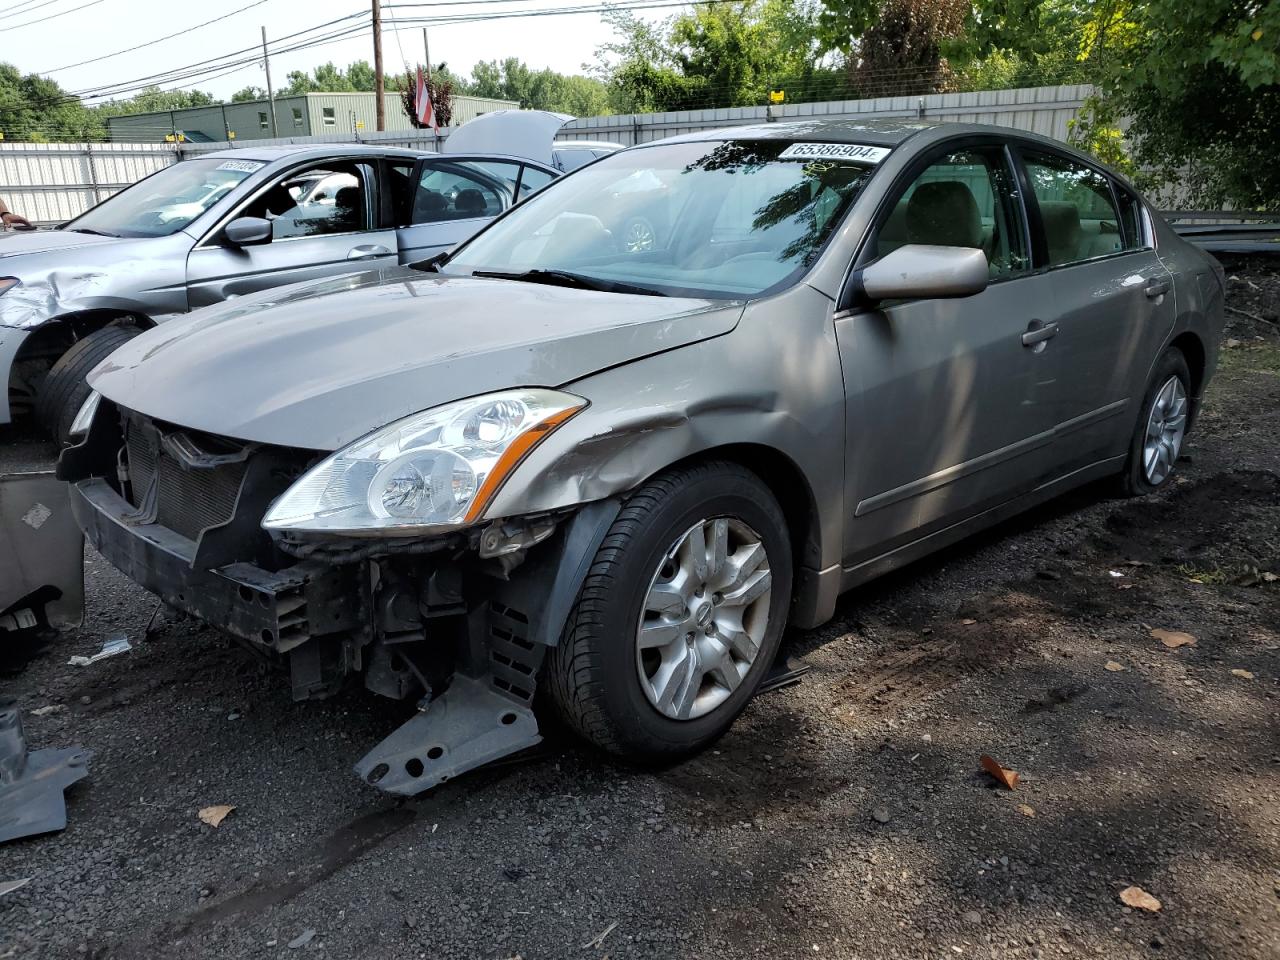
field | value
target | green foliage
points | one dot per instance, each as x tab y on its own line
724	54
329	78
36	108
245	94
1199	82
440	87
512	79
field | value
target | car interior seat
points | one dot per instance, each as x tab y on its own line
429	205
469	203
347	209
944	212
1068	240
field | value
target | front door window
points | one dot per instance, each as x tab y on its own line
317	201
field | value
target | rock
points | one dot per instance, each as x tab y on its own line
972	917
880	814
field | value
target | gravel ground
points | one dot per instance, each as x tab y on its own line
845	816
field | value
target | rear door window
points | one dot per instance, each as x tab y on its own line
1077	208
464	190
532	180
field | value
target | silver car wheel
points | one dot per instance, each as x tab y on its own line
705	616
639	236
1166	427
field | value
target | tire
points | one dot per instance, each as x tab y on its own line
594	675
1137	480
64	389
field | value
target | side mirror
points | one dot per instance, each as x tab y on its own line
921	271
248	231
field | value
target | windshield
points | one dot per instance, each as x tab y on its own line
167	201
729	219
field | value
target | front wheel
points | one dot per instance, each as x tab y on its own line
64	389
1162	426
680	616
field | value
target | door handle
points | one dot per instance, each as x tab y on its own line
1038	333
1157	289
365	251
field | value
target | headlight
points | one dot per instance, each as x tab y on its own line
438	468
84	419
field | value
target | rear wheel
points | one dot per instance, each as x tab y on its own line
64	389
1161	428
680	616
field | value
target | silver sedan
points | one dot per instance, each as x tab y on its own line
617	472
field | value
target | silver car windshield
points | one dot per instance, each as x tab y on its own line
167	201
729	219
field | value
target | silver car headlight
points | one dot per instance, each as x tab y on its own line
436	469
84	417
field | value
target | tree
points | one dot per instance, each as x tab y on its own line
246	94
38	109
512	79
440	89
1199	83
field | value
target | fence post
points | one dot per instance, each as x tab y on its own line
93	174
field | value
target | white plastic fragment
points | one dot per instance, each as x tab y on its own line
110	647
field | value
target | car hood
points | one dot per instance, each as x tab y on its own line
17	242
320	365
517	133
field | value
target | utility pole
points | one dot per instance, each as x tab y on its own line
426	51
271	96
378	85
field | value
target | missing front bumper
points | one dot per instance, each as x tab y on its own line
274	611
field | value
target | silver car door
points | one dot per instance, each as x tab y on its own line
324	221
945	399
1113	302
453	198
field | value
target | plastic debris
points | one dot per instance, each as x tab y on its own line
110	647
302	939
31	783
598	940
8	886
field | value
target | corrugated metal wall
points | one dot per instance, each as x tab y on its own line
53	182
1044	110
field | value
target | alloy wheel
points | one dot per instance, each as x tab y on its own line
704	619
1166	426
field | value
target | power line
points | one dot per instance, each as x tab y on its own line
52	16
28	5
149	43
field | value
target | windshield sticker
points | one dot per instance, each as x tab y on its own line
834	151
240	166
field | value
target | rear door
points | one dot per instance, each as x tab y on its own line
1112	299
324	218
451	198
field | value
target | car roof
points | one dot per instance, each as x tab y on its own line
880	133
302	151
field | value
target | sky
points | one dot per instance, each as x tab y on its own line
563	43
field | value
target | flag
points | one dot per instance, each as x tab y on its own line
426	114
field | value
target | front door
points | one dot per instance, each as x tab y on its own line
1112	299
323	222
946	411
